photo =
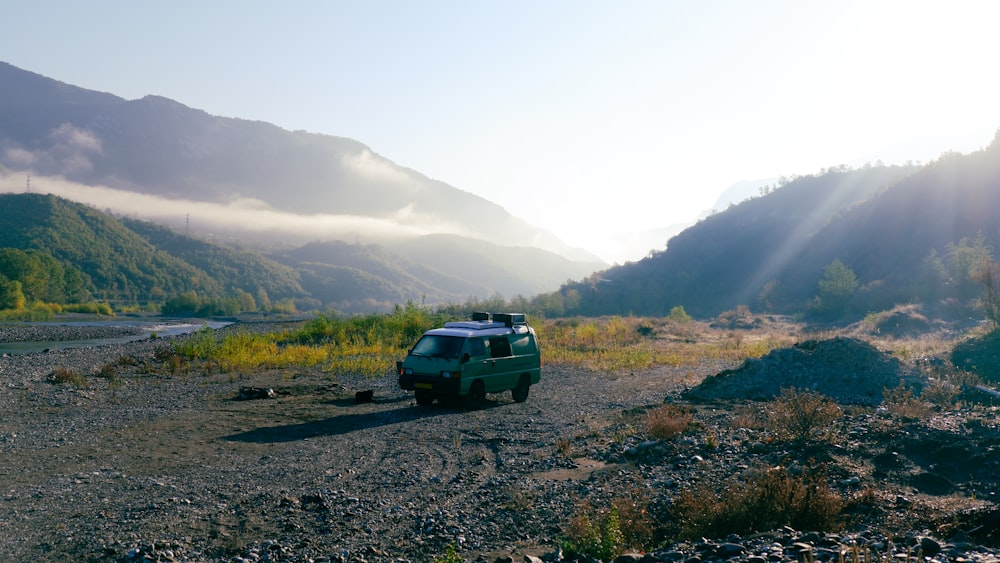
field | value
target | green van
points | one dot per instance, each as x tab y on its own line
489	354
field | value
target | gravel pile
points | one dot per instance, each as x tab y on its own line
142	465
848	370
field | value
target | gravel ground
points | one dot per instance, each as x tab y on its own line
140	465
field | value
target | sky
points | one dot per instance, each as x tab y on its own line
597	120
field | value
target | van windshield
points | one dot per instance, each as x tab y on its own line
438	346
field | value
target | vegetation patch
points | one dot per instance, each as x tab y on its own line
802	415
764	499
668	421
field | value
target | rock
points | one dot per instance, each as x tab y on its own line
929	546
727	550
252	393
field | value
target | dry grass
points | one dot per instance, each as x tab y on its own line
902	403
623	344
66	375
751	416
668	421
564	446
802	415
763	500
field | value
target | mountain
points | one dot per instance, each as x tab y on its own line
908	233
160	148
233	269
738	193
657	239
432	268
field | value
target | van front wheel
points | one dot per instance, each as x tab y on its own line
477	393
520	393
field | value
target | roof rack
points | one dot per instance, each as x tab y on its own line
506	319
510	319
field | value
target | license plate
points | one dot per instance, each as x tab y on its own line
424	385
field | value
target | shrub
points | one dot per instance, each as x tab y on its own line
634	519
450	555
750	416
668	421
763	500
564	446
901	402
802	415
679	315
594	533
108	371
66	375
941	393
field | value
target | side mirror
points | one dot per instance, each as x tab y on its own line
466	357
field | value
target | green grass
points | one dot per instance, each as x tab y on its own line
371	344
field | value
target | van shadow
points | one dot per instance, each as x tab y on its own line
347	423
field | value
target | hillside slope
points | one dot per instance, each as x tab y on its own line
124	267
910	234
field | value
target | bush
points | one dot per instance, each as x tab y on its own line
679	315
763	500
594	533
668	421
902	403
66	375
802	415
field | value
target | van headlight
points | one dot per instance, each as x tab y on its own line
450	374
406	371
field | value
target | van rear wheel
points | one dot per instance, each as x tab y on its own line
520	393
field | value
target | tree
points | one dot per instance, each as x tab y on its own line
11	296
989	276
678	314
966	260
837	287
933	277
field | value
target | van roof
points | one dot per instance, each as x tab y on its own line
478	328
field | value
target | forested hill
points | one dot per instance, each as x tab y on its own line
869	238
64	252
115	263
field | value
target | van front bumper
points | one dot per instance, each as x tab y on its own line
434	384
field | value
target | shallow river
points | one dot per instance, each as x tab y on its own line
141	329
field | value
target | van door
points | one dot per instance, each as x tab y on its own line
503	363
479	364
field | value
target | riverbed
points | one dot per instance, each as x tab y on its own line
31	337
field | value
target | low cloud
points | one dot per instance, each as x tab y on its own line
373	167
70	138
68	152
240	215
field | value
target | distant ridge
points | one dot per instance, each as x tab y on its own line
910	234
157	146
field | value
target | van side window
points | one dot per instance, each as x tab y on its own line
476	347
521	345
499	346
